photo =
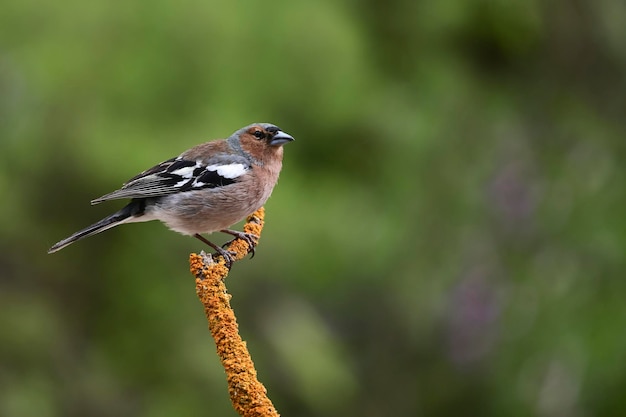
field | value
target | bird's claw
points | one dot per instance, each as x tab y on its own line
228	255
250	238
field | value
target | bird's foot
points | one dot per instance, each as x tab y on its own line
250	238
227	255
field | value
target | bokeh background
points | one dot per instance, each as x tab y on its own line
447	237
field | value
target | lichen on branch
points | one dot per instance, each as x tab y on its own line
247	394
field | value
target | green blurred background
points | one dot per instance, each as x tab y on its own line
447	237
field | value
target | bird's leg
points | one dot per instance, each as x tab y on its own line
250	238
228	256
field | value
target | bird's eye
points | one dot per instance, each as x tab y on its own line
258	134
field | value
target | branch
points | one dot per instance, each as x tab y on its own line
247	394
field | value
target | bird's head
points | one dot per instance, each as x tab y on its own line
262	140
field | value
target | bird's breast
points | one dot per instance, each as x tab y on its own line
210	210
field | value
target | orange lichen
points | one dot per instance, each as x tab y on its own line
247	394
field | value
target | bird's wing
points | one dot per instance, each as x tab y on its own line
180	175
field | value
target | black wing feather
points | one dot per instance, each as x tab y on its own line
162	179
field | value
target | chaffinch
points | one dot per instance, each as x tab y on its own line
207	188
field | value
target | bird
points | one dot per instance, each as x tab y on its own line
207	188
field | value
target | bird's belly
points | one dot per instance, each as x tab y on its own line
190	213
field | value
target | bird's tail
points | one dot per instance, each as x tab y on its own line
129	213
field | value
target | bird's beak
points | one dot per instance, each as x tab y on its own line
280	138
